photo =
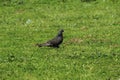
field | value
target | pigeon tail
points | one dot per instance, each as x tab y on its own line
44	44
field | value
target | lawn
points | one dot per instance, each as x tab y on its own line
91	46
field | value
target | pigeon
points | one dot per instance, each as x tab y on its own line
55	42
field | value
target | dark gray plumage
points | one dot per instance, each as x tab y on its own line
55	42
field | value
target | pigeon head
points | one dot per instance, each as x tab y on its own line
60	32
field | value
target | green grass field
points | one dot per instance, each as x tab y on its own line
91	46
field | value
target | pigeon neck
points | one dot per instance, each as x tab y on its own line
59	34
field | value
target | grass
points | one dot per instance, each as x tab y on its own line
91	47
